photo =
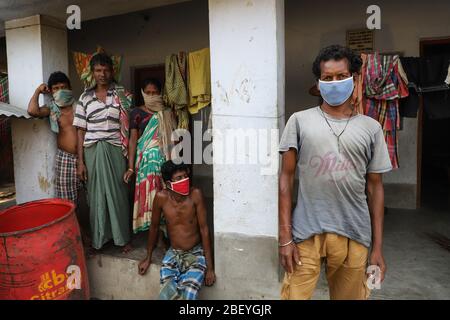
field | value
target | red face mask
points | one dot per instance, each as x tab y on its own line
182	187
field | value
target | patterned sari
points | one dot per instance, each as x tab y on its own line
149	160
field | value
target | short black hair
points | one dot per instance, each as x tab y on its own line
101	59
152	81
58	77
169	168
337	52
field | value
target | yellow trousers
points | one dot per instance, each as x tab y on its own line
346	262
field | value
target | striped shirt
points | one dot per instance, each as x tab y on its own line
99	119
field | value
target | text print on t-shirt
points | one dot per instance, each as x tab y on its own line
332	164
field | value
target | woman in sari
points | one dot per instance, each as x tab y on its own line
151	126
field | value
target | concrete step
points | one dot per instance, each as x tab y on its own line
114	275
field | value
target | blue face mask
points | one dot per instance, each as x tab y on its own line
337	92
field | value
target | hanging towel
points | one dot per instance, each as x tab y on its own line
199	80
175	94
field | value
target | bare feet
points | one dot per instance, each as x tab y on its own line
90	251
127	248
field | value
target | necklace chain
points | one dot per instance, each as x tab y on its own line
334	133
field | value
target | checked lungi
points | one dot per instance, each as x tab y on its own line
67	183
182	274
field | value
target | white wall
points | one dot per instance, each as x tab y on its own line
246	95
312	25
247	75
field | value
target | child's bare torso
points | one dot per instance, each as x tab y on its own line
181	219
67	136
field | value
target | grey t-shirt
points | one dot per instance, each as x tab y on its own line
331	194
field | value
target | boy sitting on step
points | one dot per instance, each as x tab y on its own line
188	262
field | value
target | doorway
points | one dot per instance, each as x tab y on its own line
139	74
434	157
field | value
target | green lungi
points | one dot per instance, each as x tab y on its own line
107	194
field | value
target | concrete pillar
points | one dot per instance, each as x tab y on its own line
36	46
247	71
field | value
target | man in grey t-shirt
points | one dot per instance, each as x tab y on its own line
339	157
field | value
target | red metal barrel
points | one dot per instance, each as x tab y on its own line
41	252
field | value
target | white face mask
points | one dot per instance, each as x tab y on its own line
335	93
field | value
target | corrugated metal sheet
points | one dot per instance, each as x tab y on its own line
7	110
